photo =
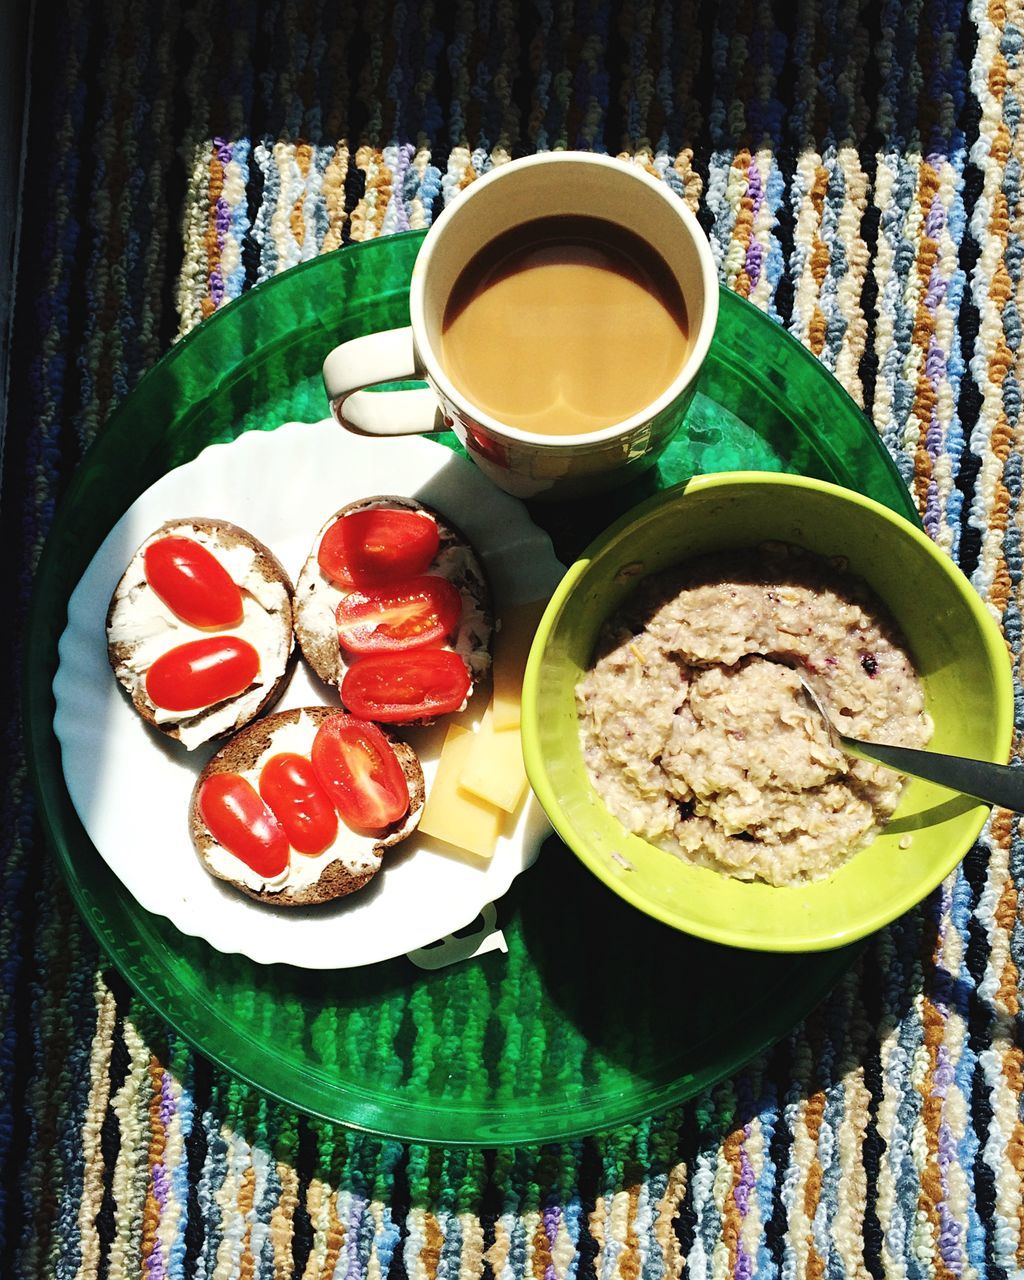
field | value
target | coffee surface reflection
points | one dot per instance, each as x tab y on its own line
564	325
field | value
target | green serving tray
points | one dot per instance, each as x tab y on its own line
597	1014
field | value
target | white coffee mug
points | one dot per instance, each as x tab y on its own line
524	463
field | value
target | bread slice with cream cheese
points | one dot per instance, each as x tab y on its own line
317	598
349	863
141	628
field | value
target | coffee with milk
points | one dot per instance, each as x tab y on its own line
564	325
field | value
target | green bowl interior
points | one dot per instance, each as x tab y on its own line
957	647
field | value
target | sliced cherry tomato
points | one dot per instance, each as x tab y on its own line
192	582
398	687
202	672
240	821
359	770
408	615
288	783
377	546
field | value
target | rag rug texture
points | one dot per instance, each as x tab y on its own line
858	169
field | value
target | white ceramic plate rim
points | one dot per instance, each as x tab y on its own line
130	786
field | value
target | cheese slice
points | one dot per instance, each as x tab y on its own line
495	771
511	648
456	816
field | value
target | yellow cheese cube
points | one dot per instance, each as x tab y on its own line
495	771
453	815
511	648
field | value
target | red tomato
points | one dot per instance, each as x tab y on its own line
380	545
289	784
408	615
202	672
192	582
240	821
397	687
359	770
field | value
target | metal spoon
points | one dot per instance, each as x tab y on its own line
999	784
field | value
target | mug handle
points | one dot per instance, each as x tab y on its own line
379	357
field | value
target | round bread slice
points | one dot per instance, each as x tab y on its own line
348	864
141	628
317	598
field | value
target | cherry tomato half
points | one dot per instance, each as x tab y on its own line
377	546
288	783
408	615
202	672
192	582
359	770
240	821
398	687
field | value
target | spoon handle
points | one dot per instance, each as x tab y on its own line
1000	784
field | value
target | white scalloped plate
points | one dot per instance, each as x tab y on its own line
130	786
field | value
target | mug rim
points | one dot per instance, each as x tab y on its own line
696	355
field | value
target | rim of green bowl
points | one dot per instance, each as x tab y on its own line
996	655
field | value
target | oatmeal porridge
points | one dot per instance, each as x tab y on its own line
700	738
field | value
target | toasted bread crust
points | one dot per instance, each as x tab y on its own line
314	622
120	653
243	754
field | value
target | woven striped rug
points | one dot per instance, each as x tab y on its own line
858	171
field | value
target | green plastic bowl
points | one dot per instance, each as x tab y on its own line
957	647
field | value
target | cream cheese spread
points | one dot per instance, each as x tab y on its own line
354	850
144	629
317	596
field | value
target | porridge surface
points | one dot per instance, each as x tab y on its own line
701	739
